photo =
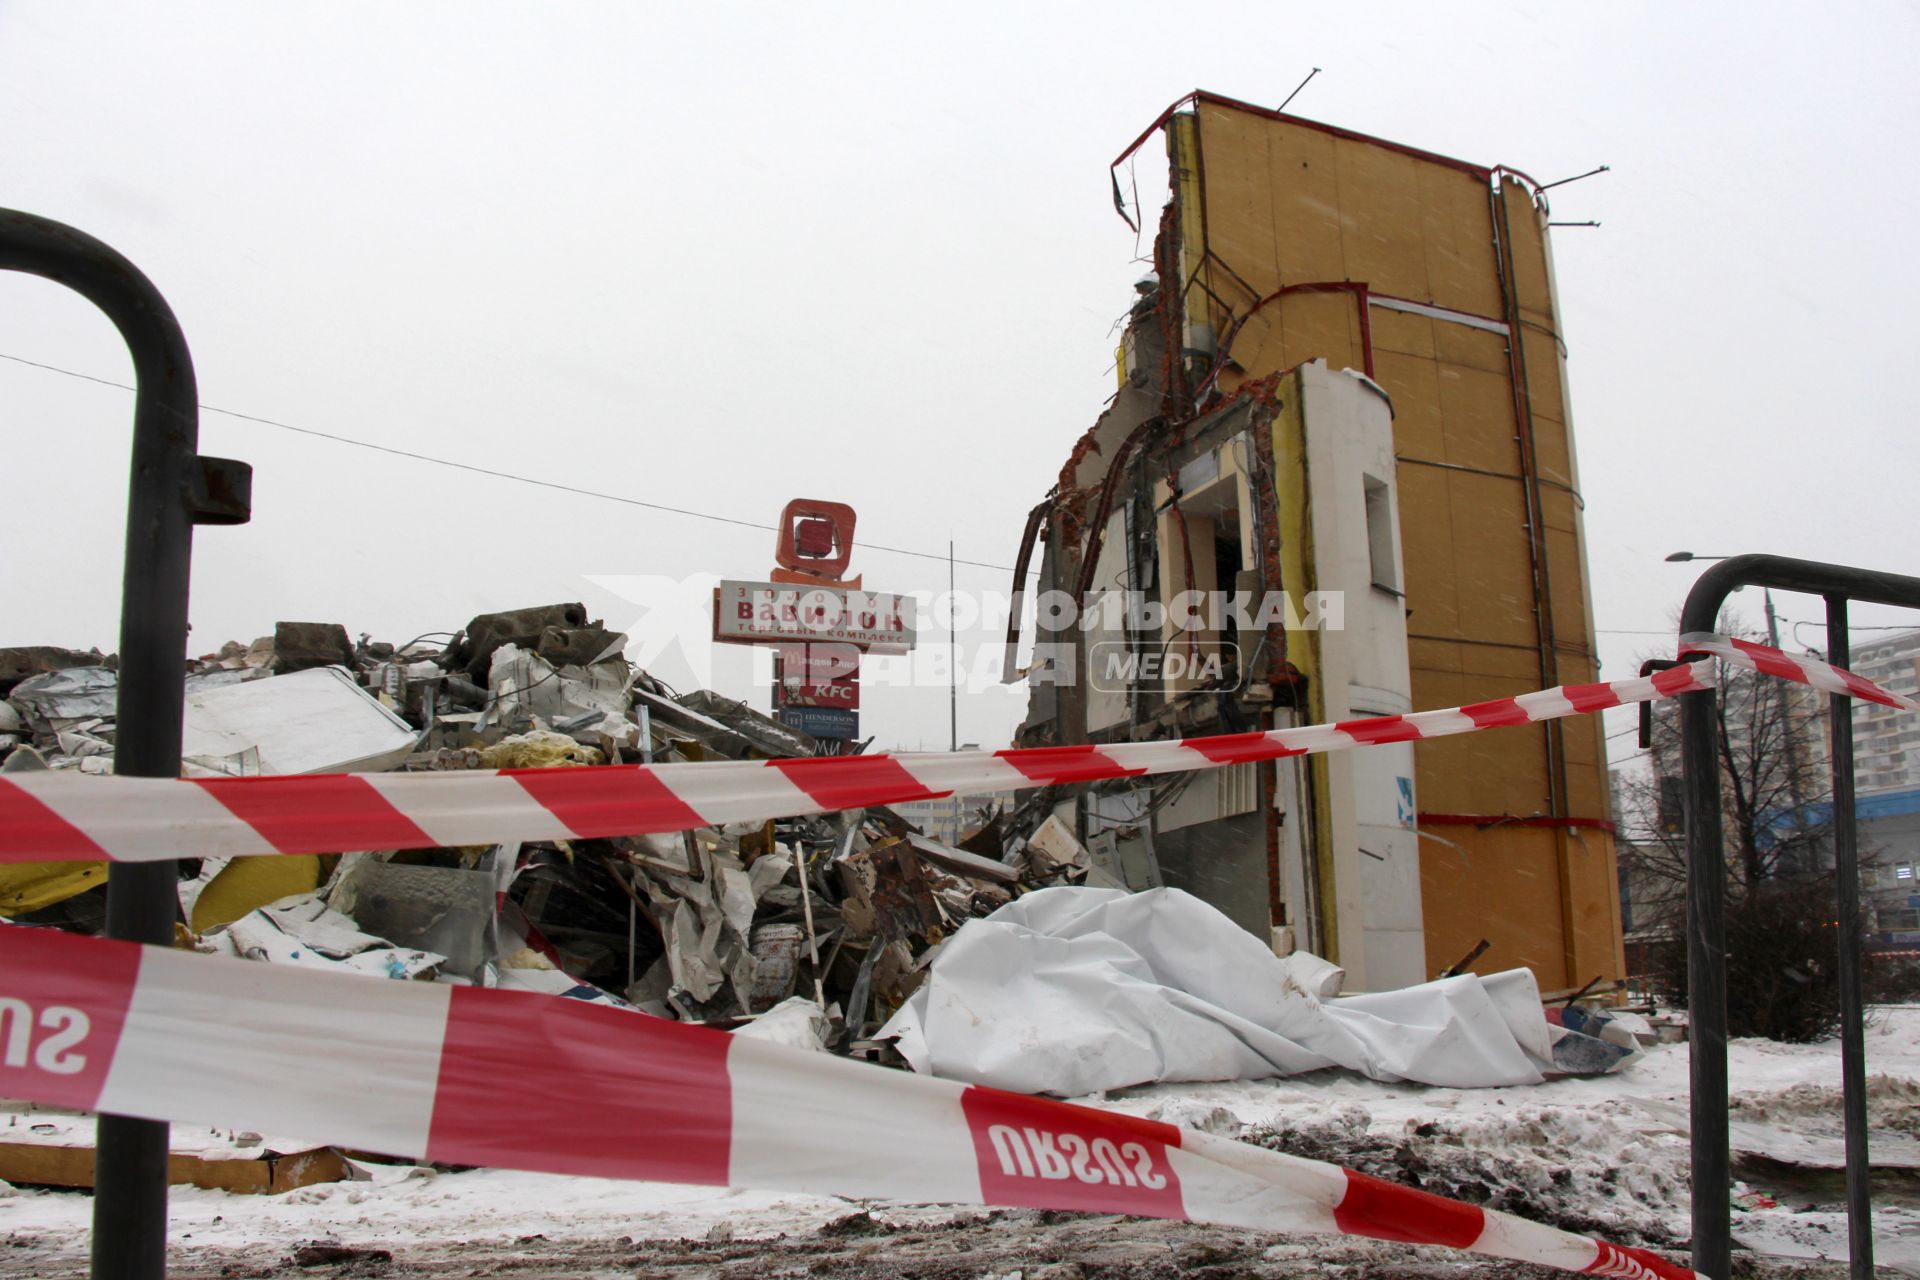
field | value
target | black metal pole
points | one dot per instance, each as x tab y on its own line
1706	948
1853	1049
1706	986
1706	893
171	489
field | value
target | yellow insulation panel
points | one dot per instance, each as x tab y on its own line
1285	204
32	886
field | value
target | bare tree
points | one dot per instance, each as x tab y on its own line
1776	809
1775	790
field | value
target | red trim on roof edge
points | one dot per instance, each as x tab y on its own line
1482	172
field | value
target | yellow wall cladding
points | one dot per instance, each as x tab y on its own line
1267	202
1293	499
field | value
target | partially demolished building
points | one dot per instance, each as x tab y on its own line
1343	385
1342	392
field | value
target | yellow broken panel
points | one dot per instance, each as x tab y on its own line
1199	316
32	886
1242	194
247	884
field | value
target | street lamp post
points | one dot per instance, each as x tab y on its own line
1782	696
1773	623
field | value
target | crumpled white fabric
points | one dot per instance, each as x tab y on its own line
1071	990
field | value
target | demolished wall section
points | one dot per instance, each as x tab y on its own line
1285	241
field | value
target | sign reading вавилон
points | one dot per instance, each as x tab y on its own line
772	613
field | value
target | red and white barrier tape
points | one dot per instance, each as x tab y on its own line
67	816
59	815
1798	668
426	1071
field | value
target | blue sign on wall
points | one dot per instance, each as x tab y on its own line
822	722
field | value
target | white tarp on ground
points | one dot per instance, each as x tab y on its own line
1072	990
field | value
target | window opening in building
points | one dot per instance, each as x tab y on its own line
1380	534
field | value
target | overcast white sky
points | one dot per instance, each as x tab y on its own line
722	255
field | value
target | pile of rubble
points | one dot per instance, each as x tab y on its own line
717	925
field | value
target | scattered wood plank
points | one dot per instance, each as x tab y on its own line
46	1164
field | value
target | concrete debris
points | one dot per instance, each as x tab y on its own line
447	910
522	628
814	930
763	734
809	930
301	646
18	664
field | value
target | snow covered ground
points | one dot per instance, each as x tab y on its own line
1609	1155
1604	1155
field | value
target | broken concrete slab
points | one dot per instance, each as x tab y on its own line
766	734
301	646
443	910
522	627
579	646
688	723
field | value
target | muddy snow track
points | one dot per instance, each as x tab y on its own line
1029	1244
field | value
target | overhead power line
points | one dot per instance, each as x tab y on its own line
941	556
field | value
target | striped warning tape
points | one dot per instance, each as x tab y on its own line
1795	667
425	1071
60	815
